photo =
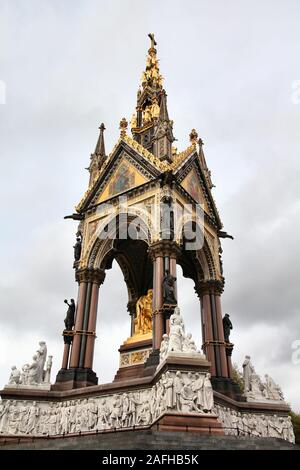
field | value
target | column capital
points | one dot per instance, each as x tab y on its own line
96	276
209	286
164	248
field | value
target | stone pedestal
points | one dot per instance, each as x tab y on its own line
133	355
176	422
68	379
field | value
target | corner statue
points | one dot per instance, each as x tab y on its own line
227	326
70	317
77	249
169	289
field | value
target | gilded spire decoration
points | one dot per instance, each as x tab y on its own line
194	137
123	127
151	77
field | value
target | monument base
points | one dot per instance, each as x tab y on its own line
172	399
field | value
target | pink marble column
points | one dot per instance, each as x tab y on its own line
89	353
208	333
74	360
159	320
174	273
223	358
229	366
65	356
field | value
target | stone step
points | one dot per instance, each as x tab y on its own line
153	440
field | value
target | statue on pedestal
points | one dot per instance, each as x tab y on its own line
33	371
169	288
272	390
48	369
143	322
15	376
177	341
227	326
41	355
70	317
77	249
248	370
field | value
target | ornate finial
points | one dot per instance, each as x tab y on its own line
123	127
151	76
153	42
193	137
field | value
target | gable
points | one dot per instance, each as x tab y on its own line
125	176
191	183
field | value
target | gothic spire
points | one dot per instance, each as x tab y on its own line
150	125
98	157
100	147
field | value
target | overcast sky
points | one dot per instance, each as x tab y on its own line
229	70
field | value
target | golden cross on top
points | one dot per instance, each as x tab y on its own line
153	42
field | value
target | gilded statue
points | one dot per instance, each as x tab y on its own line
143	321
147	114
155	108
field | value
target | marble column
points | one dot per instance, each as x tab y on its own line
85	323
207	332
91	335
163	255
66	353
131	307
222	345
74	360
157	312
212	326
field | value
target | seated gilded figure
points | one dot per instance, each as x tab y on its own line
143	320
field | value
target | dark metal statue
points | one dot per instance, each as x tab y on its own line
169	289
77	249
227	326
70	317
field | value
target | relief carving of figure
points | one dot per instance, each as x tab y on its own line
33	414
208	395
